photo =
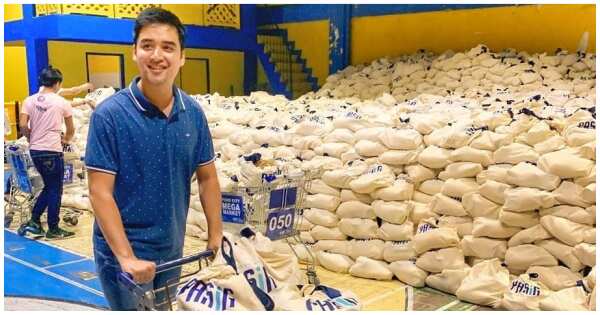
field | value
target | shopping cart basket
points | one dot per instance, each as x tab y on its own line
273	208
146	299
25	186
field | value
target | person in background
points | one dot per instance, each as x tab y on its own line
144	144
41	122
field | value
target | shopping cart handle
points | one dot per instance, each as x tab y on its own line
126	279
184	260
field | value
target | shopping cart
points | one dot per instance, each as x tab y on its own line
25	186
272	208
146	300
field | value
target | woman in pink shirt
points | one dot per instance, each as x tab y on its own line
41	122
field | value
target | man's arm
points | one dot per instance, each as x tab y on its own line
210	197
70	129
75	90
82	101
107	215
24	125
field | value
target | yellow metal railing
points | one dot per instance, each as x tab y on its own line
218	15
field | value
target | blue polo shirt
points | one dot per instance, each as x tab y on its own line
153	158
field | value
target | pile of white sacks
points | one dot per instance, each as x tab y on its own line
473	73
75	195
472	173
438	189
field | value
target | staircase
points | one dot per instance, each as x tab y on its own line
283	63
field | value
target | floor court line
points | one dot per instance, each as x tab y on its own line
66	263
54	275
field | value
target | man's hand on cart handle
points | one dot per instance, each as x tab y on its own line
142	271
214	241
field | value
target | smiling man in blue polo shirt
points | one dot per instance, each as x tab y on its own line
144	144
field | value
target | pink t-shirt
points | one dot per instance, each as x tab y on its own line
46	112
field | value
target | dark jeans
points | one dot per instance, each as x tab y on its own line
118	297
51	167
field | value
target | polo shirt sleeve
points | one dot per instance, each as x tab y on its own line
205	153
101	151
27	104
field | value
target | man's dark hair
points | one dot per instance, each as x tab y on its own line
158	15
50	76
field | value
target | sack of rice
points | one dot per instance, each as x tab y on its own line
524	256
358	228
445	205
459	187
429	237
334	262
494	191
398	250
369	248
463	225
485	284
478	206
569	299
434	157
394	212
376	176
515	153
431	186
349	195
325	233
571	194
525	293
355	209
438	260
555	277
448	280
483	247
460	170
496	172
572	213
368	268
568	232
400	139
522	199
529	236
485	227
528	175
562	252
321	201
401	189
419	173
395	232
407	272
470	154
586	253
564	164
519	219
321	217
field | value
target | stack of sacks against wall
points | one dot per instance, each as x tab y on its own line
76	194
490	173
196	224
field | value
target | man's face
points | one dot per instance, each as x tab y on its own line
158	54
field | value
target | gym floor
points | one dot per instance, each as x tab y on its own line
63	270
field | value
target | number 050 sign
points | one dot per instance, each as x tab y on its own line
280	223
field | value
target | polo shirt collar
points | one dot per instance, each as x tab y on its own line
144	105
